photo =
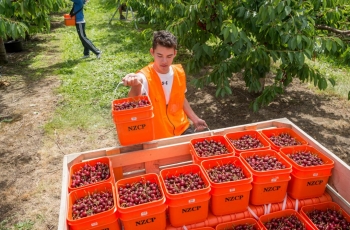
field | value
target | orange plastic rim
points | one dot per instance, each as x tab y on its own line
267	133
253	133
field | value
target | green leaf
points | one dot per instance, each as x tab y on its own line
287	10
322	84
290	56
218	91
332	81
280	7
329	45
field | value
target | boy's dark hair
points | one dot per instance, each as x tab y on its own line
164	38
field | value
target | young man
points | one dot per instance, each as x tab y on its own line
165	84
78	6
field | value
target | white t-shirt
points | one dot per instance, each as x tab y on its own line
167	83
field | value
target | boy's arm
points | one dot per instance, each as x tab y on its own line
198	123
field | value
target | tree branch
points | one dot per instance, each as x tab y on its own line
334	30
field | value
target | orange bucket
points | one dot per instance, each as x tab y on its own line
68	20
310	181
253	133
134	126
186	207
144	216
268	133
204	228
197	159
76	167
232	196
104	220
322	207
268	186
285	213
232	224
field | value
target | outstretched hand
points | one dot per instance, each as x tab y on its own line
132	79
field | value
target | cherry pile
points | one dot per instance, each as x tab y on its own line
284	139
225	173
207	148
90	174
92	204
184	183
131	104
306	158
140	192
246	142
264	163
328	219
242	227
285	223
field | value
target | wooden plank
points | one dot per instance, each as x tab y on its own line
150	154
117	171
64	193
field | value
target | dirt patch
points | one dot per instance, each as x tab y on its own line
30	181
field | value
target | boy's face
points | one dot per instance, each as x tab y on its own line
163	58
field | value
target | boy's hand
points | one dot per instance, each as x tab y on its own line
132	79
199	125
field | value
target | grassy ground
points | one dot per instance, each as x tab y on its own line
88	85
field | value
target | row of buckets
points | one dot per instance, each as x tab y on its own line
259	194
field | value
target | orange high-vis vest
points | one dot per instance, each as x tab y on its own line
169	120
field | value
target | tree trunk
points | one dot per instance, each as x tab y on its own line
3	55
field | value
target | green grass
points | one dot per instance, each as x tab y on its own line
340	72
89	85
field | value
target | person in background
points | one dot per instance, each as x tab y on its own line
122	7
78	6
165	84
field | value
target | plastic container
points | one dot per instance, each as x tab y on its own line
267	133
133	126
231	224
104	220
68	20
268	186
145	216
187	207
76	167
285	213
229	197
311	181
197	159
252	133
323	207
204	228
298	204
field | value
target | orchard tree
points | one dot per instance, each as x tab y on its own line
248	36
19	18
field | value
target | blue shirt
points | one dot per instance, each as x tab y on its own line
78	4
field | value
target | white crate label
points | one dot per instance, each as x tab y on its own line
191	201
232	189
274	179
134	118
144	213
94	224
315	174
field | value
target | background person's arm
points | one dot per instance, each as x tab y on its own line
198	123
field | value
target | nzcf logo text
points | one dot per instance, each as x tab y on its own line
136	127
